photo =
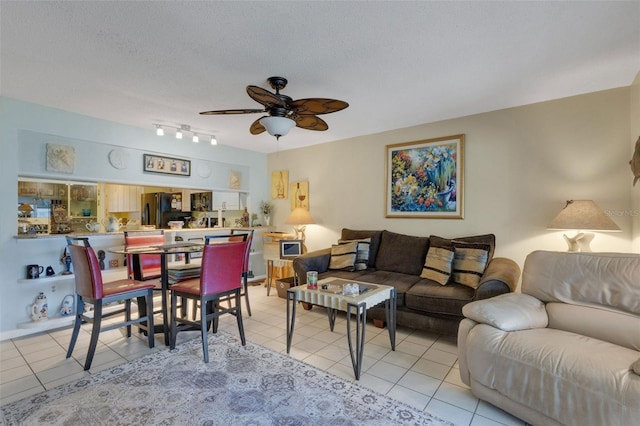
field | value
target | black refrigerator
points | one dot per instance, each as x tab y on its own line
158	208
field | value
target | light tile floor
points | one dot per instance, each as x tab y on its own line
422	372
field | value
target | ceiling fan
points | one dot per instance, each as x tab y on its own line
283	112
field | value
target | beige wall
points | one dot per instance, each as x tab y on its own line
635	135
521	164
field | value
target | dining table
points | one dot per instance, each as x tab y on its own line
165	251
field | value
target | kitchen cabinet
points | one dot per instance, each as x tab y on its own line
42	190
226	200
122	198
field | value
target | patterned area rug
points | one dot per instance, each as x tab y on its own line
248	385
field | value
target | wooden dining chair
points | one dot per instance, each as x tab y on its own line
91	289
221	267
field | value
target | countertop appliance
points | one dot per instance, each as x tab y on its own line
156	205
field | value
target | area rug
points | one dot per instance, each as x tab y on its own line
248	385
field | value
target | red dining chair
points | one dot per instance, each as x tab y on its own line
221	267
143	266
91	289
245	265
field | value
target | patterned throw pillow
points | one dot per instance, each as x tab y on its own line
362	252
343	256
438	265
469	263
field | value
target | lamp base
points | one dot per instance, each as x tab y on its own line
300	232
580	242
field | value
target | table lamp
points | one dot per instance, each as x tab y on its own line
582	215
299	217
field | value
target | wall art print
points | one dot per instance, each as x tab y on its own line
280	184
424	179
299	195
167	165
60	158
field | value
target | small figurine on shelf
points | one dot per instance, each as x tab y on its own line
101	256
245	218
67	305
66	259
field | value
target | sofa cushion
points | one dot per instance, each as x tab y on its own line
362	252
343	256
438	265
636	367
401	282
490	239
432	298
351	234
401	253
469	263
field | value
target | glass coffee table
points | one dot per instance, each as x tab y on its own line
333	299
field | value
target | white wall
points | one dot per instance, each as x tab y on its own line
635	135
521	164
24	131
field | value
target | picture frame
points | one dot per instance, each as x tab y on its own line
299	195
424	179
166	165
280	184
290	249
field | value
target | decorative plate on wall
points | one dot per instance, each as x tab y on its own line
118	159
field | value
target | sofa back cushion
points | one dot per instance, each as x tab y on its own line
352	234
606	280
603	324
401	253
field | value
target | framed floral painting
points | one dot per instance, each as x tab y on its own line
424	179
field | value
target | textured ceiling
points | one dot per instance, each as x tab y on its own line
397	64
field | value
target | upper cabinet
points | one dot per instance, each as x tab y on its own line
226	200
122	198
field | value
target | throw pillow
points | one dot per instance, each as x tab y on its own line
362	252
343	256
353	234
469	263
438	264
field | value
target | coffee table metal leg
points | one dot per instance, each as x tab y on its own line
390	310
331	314
164	280
292	297
361	321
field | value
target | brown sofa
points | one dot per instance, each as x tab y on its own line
398	260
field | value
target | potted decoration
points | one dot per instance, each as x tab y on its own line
267	209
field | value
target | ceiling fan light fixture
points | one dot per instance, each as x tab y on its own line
277	126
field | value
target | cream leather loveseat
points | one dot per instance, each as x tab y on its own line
564	351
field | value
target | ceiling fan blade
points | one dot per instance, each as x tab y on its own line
264	97
311	122
232	111
257	128
313	106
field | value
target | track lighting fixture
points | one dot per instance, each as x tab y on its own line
180	130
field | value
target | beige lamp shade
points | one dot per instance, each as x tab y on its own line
299	217
584	215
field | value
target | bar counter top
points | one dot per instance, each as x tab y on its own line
121	233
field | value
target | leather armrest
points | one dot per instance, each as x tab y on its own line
317	260
508	312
